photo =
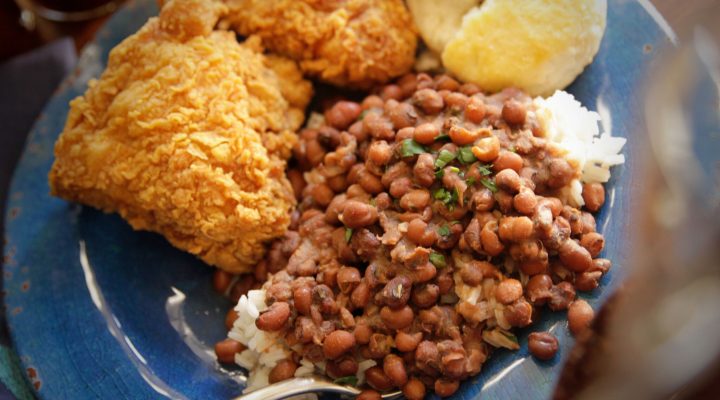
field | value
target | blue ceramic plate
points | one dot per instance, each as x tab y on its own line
97	310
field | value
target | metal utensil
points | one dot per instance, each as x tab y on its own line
309	384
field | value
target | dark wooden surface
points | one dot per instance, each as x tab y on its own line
16	40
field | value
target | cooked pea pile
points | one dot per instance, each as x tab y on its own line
432	220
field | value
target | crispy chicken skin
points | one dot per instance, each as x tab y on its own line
355	43
187	133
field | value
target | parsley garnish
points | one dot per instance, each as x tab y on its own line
439	174
348	234
410	148
444	158
449	198
471	181
466	156
350	380
443	231
442	136
438	260
489	184
362	115
455	169
485	169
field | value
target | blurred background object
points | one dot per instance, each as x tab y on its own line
657	338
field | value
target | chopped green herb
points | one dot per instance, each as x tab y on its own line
348	234
455	169
439	174
442	136
447	197
438	260
485	169
443	230
409	148
471	181
444	158
512	149
350	380
489	184
362	115
372	202
454	222
510	336
466	156
455	112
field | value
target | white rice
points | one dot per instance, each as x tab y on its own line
264	349
574	129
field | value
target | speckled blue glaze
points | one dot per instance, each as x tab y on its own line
100	311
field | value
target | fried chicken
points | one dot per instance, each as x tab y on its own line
355	43
187	133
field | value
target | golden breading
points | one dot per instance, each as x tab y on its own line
357	43
186	133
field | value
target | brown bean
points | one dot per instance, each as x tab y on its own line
462	136
407	341
508	180
525	201
561	295
487	149
601	264
302	298
490	241
395	370
338	343
369	182
342	114
588	222
369	394
408	84
414	389
274	318
221	280
377	379
542	345
471	273
284	369
445	82
403	115
424	170
397	319
360	296
593	242
347	279
362	332
445	387
429	101
321	194
515	229
425	296
561	173
483	200
475	110
378	127
513	112
357	214
426	133
538	289
508	160
574	256
230	318
587	280
391	91
580	315
379	152
594	196
519	313
508	291
400	187
415	200
225	350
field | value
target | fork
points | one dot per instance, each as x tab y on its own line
308	384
